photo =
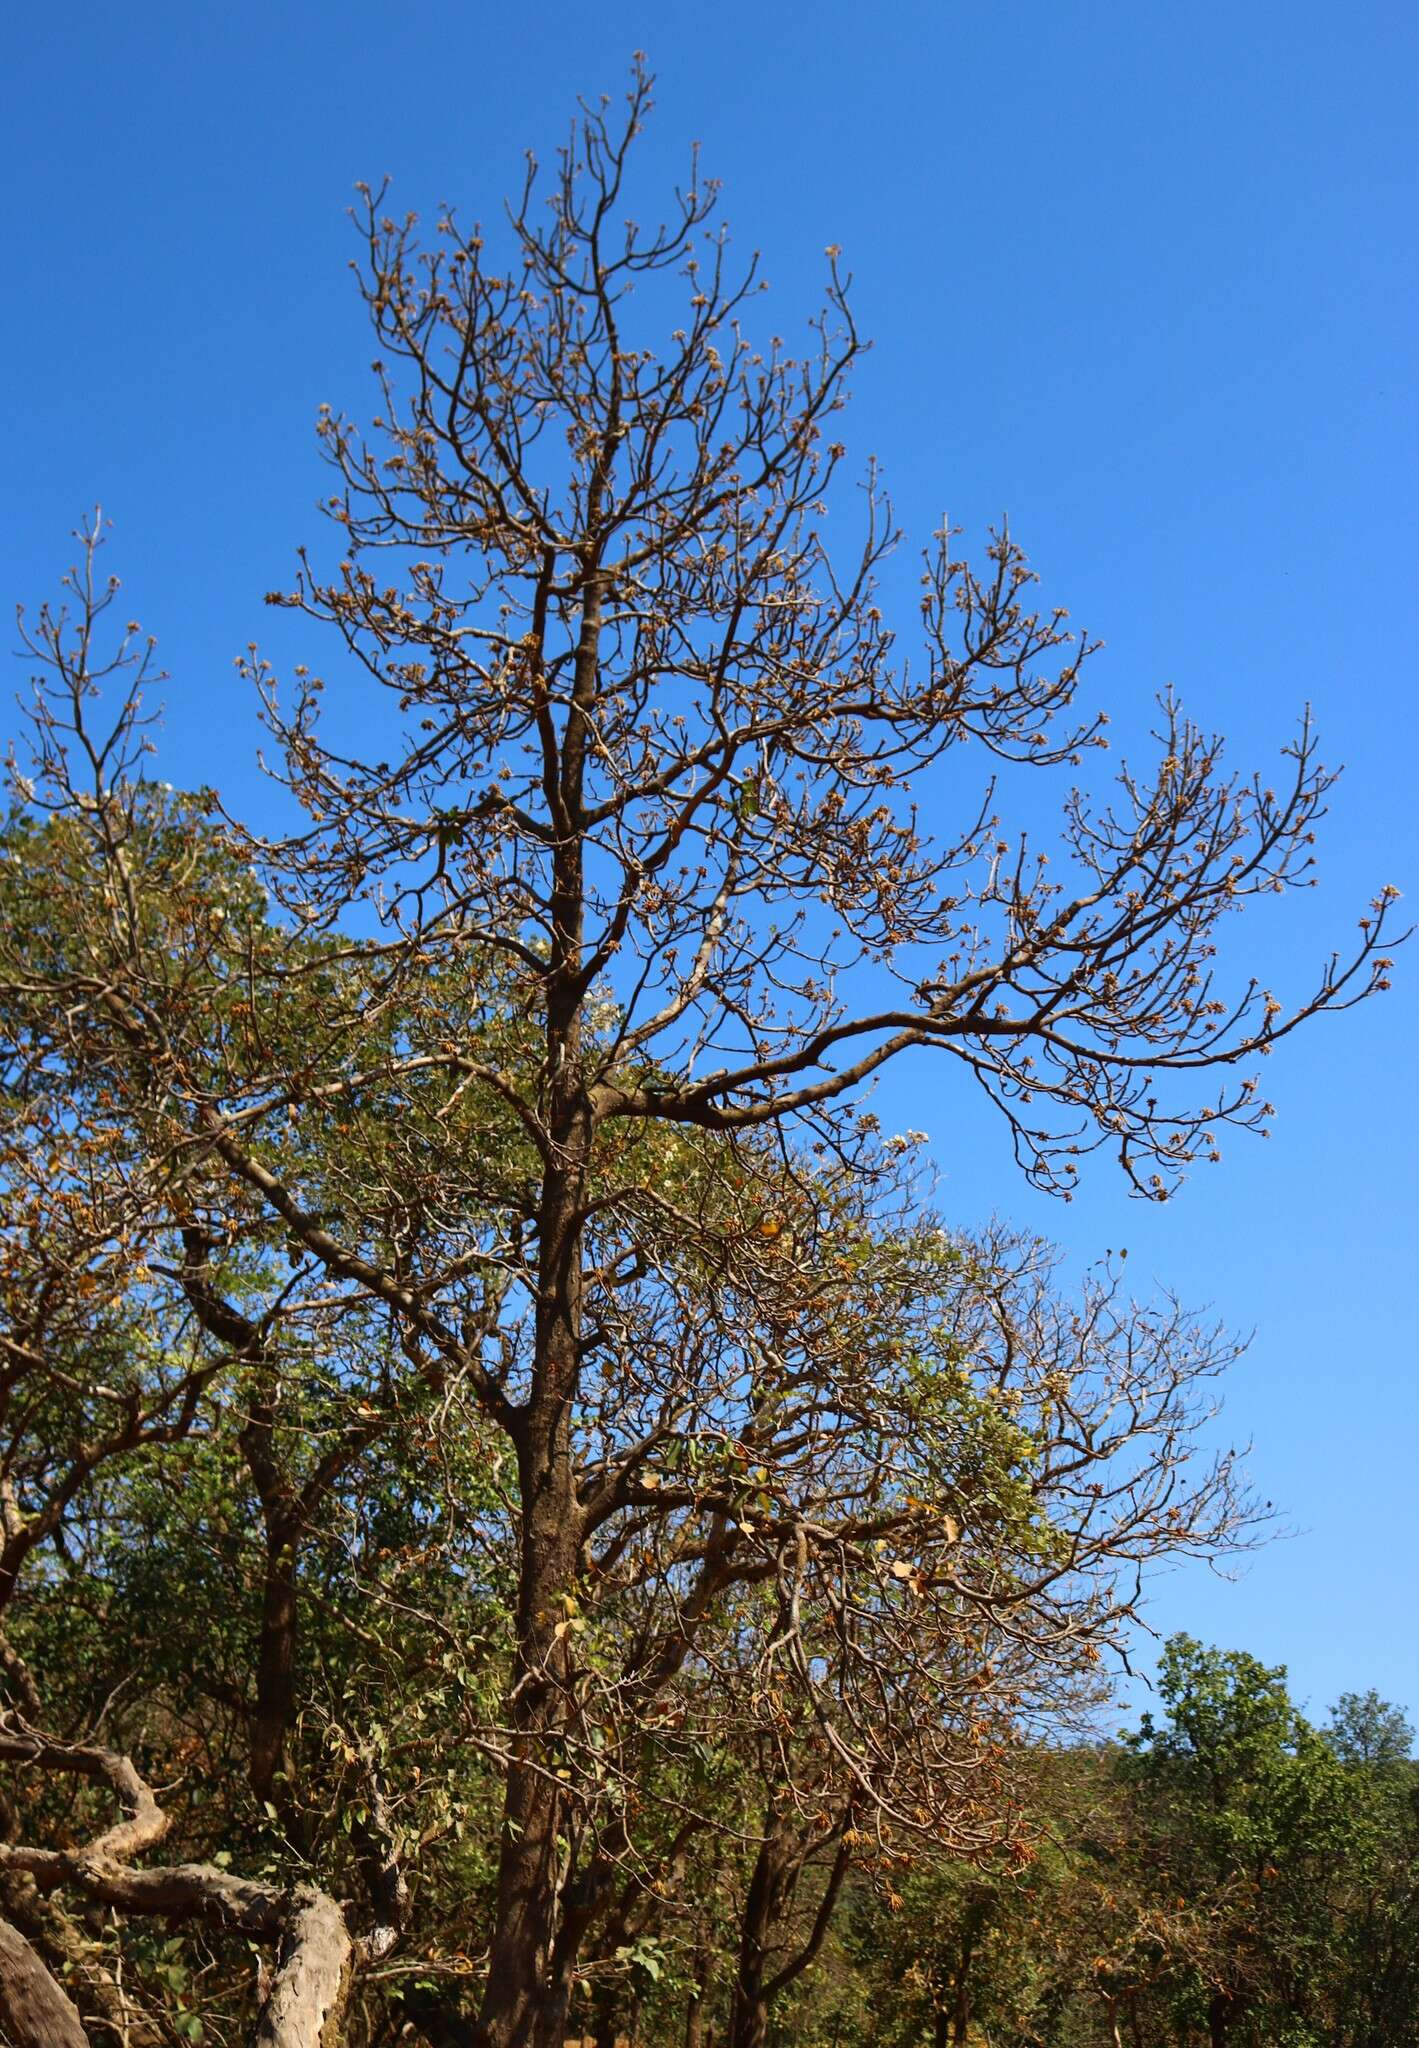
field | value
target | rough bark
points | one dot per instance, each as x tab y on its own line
34	2012
529	1982
307	1997
99	1994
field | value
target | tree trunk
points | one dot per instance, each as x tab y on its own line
76	1963
522	2004
1219	2016
530	1974
770	1888
440	2020
961	2005
276	1663
34	2012
695	2006
749	2027
604	2015
305	2007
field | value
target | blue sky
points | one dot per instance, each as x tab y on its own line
1140	276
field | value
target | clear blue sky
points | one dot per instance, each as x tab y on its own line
1141	275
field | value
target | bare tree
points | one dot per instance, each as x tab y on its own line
646	788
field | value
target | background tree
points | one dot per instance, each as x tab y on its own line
1374	1979
1251	1813
1218	1874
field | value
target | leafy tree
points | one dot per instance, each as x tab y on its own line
1221	1870
1364	1729
1374	1993
1252	1814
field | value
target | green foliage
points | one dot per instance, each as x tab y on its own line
1224	1876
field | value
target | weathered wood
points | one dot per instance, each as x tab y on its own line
34	2011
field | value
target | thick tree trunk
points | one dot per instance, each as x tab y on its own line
306	2005
749	2027
34	2012
522	2004
77	1963
530	1975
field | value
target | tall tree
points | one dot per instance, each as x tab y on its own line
649	766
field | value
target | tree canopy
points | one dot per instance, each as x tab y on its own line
468	1344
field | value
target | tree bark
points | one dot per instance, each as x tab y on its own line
530	1974
770	1889
99	1995
695	2006
307	1999
440	2020
34	2012
778	1869
961	2005
282	1514
276	1662
603	2034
